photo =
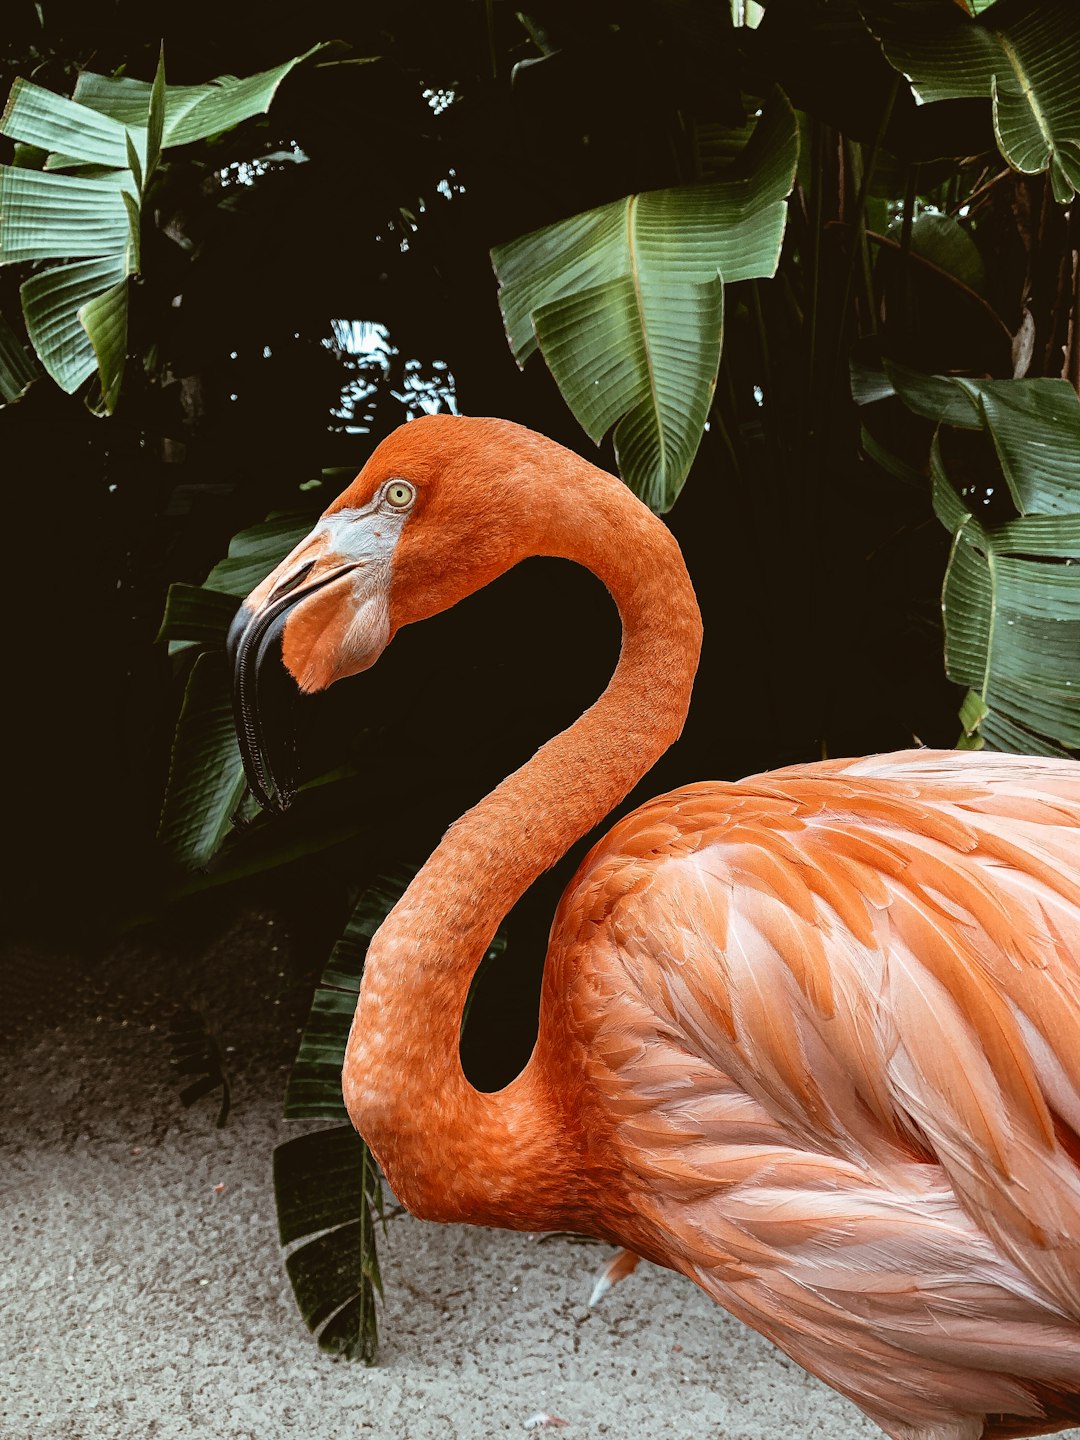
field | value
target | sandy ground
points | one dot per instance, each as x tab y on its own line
142	1292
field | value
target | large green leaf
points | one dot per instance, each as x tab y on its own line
112	131
253	553
56	306
1024	54
326	1183
625	302
1011	597
80	135
192	112
206	775
45	217
328	1194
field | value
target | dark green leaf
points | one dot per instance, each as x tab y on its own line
1024	54
195	612
206	776
17	370
191	112
326	1186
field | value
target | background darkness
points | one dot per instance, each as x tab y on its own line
816	639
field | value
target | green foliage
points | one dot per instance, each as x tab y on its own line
1011	596
206	776
17	370
110	136
1025	54
626	302
327	1185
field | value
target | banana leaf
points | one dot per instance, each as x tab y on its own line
1011	594
110	134
326	1183
1024	55
625	302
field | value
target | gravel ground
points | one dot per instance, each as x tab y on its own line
142	1292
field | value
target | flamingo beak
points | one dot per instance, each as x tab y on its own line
261	684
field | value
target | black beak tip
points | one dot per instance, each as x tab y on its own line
252	647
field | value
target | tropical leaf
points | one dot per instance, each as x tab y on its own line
112	132
1024	54
625	302
1011	596
17	370
191	112
79	134
196	614
206	779
206	775
329	1194
254	552
326	1183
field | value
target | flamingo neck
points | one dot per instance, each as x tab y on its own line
449	1151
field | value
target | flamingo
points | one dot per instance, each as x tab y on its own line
811	1039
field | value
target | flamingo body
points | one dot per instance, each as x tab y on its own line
812	1039
823	1026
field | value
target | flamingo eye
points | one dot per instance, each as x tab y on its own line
399	493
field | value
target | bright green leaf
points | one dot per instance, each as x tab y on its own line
105	321
54	302
48	217
54	123
626	301
191	112
1011	605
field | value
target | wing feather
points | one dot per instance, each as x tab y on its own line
845	999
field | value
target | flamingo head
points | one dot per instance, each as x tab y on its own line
443	506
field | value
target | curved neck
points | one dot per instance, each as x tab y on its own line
449	1151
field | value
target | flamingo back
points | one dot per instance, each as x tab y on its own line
826	1028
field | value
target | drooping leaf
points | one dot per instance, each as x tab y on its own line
196	613
105	320
49	217
206	775
326	1183
17	370
112	130
1022	54
1034	424
314	1089
625	302
76	133
191	112
54	303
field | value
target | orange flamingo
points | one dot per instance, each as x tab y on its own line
811	1039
